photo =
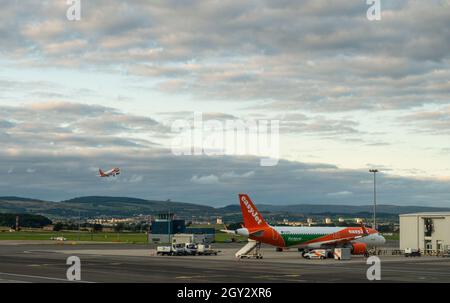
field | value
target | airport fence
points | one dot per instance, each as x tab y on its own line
401	252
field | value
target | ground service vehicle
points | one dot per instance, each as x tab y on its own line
190	249
316	254
171	250
206	250
412	252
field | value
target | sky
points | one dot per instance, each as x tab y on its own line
350	94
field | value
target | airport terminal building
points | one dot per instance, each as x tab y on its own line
429	232
166	229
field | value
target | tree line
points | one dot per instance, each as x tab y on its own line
25	220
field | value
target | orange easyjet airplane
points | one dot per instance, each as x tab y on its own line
110	173
304	238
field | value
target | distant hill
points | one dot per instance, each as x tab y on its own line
347	209
96	206
336	209
12	198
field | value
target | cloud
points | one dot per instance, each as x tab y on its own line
194	179
211	179
134	179
233	175
64	144
299	123
227	177
315	55
59	126
319	66
340	193
435	121
31	170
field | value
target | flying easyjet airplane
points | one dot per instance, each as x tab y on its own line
305	238
112	172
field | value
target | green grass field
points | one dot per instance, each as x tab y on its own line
75	236
222	237
123	237
394	236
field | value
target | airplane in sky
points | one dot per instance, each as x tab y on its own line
110	173
358	239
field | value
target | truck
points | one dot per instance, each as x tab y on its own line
190	249
206	250
171	250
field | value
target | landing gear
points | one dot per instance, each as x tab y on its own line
257	252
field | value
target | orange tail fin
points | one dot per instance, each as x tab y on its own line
252	217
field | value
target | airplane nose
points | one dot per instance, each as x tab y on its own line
382	239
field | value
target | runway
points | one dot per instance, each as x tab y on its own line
46	263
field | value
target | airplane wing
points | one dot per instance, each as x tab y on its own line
348	239
256	233
233	232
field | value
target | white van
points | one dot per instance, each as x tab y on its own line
316	254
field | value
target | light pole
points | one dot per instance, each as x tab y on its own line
374	171
79	222
169	225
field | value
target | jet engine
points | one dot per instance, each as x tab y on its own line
359	248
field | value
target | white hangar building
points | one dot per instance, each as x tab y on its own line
425	231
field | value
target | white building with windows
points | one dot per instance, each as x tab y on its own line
425	231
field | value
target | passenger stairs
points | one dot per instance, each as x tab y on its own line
250	250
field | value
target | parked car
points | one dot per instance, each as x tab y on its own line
316	254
